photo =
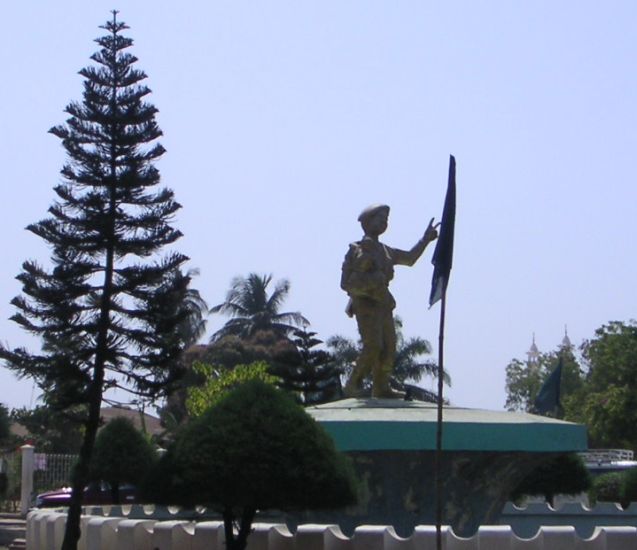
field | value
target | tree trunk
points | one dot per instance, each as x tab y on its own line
240	540
228	528
114	486
245	527
72	531
80	479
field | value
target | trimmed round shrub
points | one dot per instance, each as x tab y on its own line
607	488
121	455
629	487
254	449
563	475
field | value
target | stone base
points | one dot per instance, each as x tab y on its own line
392	446
398	488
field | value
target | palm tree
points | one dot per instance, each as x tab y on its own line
193	309
251	309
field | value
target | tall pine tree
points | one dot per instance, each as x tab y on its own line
112	309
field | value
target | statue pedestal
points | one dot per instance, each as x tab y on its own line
392	444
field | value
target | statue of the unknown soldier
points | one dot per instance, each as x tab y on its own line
367	270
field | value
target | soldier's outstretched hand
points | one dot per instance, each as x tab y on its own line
431	233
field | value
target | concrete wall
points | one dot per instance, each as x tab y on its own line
526	520
45	530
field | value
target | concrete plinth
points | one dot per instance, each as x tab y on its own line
392	444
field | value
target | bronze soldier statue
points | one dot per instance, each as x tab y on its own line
367	270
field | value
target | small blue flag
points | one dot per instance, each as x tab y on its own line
548	398
443	254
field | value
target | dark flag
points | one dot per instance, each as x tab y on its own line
548	399
443	254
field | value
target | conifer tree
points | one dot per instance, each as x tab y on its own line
111	310
310	373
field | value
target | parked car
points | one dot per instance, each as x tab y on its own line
94	493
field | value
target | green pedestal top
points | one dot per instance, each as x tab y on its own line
384	424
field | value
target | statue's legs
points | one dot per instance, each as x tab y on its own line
378	337
384	367
370	331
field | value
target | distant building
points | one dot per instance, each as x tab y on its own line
142	421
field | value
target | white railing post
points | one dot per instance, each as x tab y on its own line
26	487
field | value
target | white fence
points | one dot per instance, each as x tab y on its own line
45	530
41	472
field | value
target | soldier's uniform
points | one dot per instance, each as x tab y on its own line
367	270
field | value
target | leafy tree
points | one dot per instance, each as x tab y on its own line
524	381
310	373
122	455
251	309
608	402
51	430
225	354
254	449
110	304
263	345
409	365
218	382
562	475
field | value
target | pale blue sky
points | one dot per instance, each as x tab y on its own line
282	120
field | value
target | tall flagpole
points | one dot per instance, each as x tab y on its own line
442	260
438	456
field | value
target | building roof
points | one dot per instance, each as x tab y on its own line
152	423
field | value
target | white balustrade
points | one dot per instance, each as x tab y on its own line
45	530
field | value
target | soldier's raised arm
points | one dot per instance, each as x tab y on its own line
410	257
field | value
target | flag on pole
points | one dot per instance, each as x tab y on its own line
443	254
548	399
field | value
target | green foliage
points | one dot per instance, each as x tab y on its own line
629	486
619	487
110	291
225	354
602	395
609	405
255	448
113	309
308	372
51	430
523	383
562	475
251	309
218	382
607	488
121	455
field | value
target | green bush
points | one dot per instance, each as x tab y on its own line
562	475
629	486
121	455
607	488
254	449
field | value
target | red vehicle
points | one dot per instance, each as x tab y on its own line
94	493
